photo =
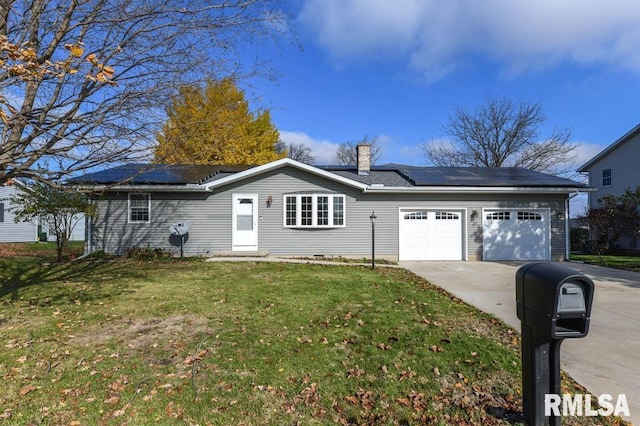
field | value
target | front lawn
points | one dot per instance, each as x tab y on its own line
630	263
124	342
46	251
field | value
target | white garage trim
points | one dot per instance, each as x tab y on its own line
428	233
516	234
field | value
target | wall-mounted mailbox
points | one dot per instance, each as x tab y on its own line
553	303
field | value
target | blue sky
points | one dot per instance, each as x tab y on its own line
397	69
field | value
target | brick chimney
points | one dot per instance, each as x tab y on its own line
364	158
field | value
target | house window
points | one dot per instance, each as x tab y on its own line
290	211
1	212
421	215
446	216
314	211
244	216
139	207
306	211
504	215
338	211
323	211
529	216
606	177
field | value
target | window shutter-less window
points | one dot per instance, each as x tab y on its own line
314	211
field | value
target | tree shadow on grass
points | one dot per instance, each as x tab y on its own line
509	415
83	280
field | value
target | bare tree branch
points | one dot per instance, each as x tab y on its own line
502	133
296	151
97	74
347	152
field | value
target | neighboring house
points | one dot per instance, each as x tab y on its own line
25	232
615	169
10	231
287	208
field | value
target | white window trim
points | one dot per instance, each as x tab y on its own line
129	208
314	210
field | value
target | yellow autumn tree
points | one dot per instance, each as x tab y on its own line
214	125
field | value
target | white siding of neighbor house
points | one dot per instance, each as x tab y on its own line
24	232
210	217
77	233
10	231
625	168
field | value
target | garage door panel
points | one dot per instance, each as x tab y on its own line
414	232
516	235
430	235
448	236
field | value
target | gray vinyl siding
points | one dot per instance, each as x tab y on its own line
111	231
210	215
625	170
10	231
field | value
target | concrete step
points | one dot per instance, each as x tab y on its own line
230	253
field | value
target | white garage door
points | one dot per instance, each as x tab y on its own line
516	235
430	235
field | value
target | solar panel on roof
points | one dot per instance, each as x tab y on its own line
155	174
482	176
388	175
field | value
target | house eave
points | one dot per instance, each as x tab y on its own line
144	188
622	140
478	189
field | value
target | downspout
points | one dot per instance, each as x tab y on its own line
567	230
88	224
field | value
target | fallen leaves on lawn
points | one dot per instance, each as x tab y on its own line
416	400
406	374
112	400
27	389
309	396
354	372
384	347
190	359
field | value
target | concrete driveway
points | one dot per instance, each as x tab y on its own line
607	361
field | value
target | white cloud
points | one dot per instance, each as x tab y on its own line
433	35
586	151
322	150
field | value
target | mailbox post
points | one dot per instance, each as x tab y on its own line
553	303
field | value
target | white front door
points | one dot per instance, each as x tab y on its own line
245	222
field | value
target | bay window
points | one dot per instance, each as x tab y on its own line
314	211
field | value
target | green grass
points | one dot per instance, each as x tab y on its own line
123	342
630	263
45	251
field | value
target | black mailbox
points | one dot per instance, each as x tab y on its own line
553	303
554	299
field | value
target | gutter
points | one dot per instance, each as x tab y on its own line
148	188
475	189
